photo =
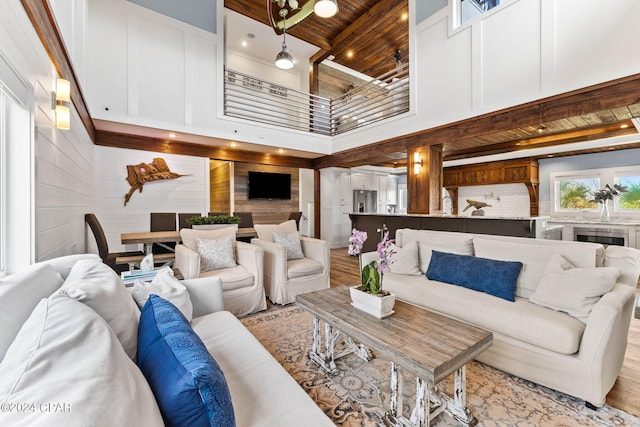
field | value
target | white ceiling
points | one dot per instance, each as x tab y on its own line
266	44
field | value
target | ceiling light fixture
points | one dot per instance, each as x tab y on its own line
284	60
325	8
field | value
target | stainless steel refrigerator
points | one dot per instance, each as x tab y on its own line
365	201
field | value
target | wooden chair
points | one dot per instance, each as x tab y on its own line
246	219
163	221
182	219
296	216
108	258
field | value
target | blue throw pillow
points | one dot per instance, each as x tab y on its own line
494	277
187	382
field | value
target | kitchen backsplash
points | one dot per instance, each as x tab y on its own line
506	200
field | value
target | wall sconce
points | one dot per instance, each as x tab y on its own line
60	102
417	163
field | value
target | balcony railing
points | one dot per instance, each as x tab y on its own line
247	97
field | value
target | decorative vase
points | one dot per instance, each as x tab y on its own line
604	211
213	226
376	305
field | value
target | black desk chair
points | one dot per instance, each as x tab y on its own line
108	258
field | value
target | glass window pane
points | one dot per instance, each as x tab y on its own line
630	200
576	193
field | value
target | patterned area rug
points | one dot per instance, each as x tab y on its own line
359	395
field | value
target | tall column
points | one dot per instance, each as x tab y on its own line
424	179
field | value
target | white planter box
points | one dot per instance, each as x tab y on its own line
373	304
214	226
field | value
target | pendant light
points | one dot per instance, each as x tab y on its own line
284	60
325	8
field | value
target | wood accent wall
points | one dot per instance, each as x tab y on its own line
220	186
264	211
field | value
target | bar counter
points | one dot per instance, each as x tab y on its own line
532	227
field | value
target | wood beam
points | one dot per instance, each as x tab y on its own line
45	25
136	142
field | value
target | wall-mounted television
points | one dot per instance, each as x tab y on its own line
269	185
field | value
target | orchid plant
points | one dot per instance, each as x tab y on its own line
356	241
372	273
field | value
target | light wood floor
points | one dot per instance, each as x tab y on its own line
625	394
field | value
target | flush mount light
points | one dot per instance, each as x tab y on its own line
325	8
61	101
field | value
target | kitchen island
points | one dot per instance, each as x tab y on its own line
533	227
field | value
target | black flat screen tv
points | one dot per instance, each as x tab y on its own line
269	185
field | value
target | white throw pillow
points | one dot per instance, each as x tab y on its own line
167	287
405	260
19	295
216	254
291	241
67	363
265	231
573	290
205	294
98	286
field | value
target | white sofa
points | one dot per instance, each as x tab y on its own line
65	360
535	342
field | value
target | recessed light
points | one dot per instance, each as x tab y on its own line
251	35
172	135
349	54
244	43
280	150
624	126
233	144
404	16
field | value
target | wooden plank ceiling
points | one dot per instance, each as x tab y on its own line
364	35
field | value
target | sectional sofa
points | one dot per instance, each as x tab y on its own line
559	311
75	350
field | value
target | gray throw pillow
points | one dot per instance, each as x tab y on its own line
291	241
216	254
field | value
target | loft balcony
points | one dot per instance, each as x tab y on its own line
250	98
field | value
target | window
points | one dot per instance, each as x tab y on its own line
574	192
467	10
629	201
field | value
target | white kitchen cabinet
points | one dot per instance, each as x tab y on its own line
345	188
383	182
392	190
362	181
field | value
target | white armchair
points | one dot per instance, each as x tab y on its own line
284	279
242	285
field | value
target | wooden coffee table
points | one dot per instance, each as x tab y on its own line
428	345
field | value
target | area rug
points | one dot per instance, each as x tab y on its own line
359	394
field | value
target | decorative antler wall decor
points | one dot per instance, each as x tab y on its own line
138	174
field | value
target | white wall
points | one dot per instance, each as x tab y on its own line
185	194
506	200
147	69
522	51
59	176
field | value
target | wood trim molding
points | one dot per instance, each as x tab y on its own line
45	25
160	145
603	96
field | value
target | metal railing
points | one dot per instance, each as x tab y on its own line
250	98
